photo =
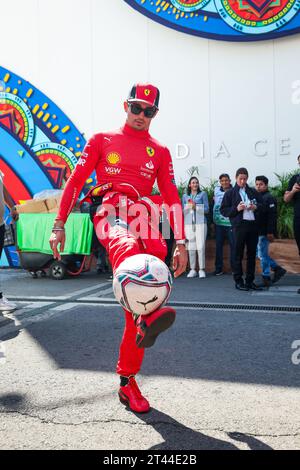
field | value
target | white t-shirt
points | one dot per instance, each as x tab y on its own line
247	213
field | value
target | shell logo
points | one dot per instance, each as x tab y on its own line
113	158
147	92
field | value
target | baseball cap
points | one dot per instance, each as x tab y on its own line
144	93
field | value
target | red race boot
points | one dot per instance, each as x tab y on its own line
130	395
150	326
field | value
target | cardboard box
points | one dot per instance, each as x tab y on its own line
53	203
32	207
53	211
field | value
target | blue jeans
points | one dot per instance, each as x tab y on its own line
223	232
266	262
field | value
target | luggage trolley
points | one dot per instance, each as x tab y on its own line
33	232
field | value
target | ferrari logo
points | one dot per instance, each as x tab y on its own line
147	92
150	151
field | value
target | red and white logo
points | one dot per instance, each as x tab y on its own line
150	166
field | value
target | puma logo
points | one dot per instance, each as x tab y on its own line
149	302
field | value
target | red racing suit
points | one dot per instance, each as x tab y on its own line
133	157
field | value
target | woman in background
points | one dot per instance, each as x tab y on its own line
195	206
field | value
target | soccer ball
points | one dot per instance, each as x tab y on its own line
142	283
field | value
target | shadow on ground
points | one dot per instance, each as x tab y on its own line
175	435
239	347
8	323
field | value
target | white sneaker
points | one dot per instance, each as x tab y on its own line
6	306
202	273
192	273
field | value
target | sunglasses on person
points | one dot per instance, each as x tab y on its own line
136	109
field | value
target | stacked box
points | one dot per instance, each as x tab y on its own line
32	207
53	204
42	206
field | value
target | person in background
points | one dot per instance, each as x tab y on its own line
242	205
168	234
97	249
5	305
267	233
100	253
223	225
195	206
165	228
293	195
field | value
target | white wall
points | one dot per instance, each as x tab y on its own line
85	55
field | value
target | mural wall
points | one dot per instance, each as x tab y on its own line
224	104
39	145
230	20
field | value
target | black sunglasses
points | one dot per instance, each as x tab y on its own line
149	112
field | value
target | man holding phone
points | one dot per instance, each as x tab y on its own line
242	205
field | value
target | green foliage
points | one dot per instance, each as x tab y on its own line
155	190
210	190
285	212
181	186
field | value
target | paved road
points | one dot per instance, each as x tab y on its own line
221	378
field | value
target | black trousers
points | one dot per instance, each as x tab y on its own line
297	231
246	235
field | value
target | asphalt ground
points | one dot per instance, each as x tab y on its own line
221	378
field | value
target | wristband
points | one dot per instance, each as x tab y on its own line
180	242
57	229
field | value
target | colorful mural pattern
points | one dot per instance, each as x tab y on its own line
39	145
231	20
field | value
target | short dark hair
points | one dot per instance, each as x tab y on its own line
241	171
262	178
224	175
298	158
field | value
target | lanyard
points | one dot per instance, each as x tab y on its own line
244	196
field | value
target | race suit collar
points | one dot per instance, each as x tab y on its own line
135	133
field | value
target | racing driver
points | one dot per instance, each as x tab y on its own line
127	163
